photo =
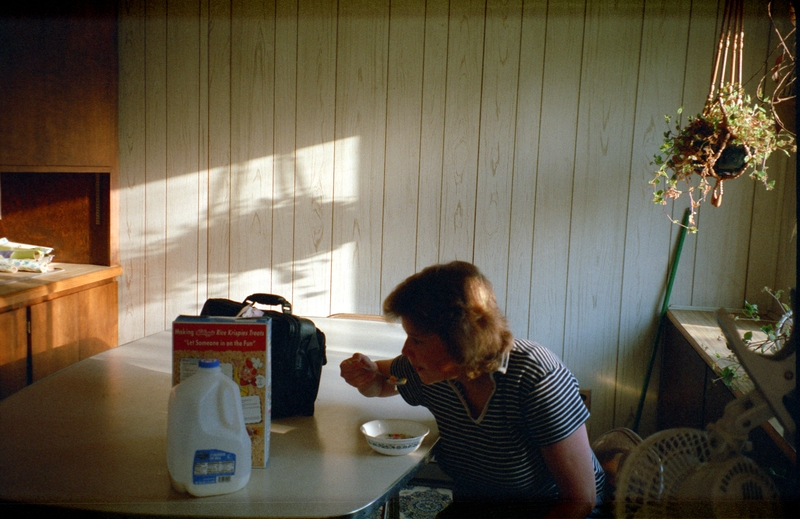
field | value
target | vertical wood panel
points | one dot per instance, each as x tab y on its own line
786	275
285	142
132	235
555	169
203	164
252	113
362	50
403	121
602	165
316	89
156	163
462	124
496	154
768	234
219	148
432	132
722	229
703	36
182	130
648	249
526	153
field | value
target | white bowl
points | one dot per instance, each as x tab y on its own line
394	437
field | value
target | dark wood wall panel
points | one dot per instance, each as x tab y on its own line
58	94
66	211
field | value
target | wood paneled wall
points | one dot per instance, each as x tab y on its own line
325	150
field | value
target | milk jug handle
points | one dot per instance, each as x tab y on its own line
231	415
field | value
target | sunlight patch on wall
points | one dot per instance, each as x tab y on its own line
326	181
308	190
347	178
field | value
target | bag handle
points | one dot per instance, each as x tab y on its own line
270	300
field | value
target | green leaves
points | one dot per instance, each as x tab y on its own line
775	335
728	375
751	311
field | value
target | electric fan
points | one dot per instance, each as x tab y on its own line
686	472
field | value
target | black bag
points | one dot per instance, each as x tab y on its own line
298	352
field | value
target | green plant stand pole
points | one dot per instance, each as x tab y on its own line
661	318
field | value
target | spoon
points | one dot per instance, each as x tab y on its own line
391	379
388	378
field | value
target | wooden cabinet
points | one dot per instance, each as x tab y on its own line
54	320
58	183
60	154
691	393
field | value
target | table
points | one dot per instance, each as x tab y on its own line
93	436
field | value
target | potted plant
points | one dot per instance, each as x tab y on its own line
731	136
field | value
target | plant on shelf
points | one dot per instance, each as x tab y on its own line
776	334
731	136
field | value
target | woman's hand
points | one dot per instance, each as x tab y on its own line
367	376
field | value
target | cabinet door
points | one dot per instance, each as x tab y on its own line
13	352
73	327
682	383
58	95
54	335
98	322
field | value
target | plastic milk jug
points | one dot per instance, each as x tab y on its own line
208	448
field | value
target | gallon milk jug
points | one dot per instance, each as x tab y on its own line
208	449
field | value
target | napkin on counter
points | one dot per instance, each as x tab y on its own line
20	256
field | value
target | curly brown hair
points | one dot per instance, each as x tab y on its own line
456	302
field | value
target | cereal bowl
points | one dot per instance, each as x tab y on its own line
394	437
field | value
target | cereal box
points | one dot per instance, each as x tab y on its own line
243	349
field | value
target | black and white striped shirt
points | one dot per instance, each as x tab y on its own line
497	455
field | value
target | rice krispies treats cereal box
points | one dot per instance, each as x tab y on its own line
243	348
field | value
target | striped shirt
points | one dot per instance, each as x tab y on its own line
497	455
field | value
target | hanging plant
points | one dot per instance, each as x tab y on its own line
731	136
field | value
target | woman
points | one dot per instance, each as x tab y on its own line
512	431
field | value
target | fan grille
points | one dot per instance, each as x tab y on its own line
670	475
651	472
735	487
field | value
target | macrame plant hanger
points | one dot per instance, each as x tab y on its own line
727	73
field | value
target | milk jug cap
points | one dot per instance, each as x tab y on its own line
208	363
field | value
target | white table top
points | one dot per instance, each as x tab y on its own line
94	436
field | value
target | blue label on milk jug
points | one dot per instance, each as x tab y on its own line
213	466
